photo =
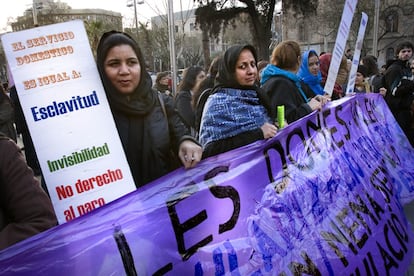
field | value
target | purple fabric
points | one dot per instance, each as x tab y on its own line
323	197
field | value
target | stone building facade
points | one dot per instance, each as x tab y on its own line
319	31
47	12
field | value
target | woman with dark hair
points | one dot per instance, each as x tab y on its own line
201	95
373	75
192	77
284	87
144	120
237	112
162	82
208	82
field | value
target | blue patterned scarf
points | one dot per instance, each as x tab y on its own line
231	112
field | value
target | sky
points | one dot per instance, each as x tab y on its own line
144	11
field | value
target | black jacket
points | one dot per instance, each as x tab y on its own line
185	110
399	85
283	91
160	142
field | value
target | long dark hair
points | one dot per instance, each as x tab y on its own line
189	78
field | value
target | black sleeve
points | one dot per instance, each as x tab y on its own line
178	130
184	108
230	143
405	89
282	91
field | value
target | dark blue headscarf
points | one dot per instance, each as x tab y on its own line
314	82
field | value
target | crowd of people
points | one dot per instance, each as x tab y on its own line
232	104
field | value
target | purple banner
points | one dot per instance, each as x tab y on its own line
324	197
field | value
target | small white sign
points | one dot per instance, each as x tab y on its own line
357	54
340	42
69	118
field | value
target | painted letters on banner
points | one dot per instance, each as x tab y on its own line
323	197
70	122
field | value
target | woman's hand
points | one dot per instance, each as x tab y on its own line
317	102
269	130
383	91
189	153
323	99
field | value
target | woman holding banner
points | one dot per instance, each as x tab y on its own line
237	112
284	87
149	127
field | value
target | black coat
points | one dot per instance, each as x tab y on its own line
184	108
160	142
283	91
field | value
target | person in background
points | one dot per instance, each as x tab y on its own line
349	54
400	88
412	66
25	209
23	129
341	78
383	69
162	83
284	87
361	83
373	74
7	116
184	99
192	77
148	134
260	66
309	72
237	112
201	95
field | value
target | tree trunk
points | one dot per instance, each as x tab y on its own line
206	50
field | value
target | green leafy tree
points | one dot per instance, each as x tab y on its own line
214	16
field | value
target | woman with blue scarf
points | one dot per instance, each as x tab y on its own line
309	72
237	112
284	87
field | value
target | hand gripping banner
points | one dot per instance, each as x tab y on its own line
323	197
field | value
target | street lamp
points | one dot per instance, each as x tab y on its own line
35	6
171	32
134	3
375	33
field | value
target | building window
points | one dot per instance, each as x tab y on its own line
390	54
176	28
391	22
303	35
